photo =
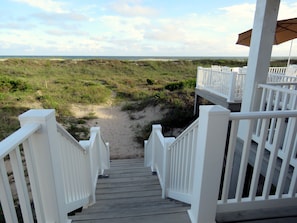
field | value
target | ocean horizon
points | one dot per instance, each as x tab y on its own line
119	57
133	57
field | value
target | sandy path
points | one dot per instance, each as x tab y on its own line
118	128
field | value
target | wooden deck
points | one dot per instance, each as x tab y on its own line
214	99
131	194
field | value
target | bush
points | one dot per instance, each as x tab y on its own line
12	85
174	86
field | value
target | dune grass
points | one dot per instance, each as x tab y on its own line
44	83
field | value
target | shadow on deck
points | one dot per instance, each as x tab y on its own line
131	194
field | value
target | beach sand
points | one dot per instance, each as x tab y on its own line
118	127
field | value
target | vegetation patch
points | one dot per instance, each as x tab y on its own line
60	83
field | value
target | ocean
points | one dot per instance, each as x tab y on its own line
134	58
123	57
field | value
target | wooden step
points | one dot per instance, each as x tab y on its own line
131	194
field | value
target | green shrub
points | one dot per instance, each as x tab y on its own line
175	86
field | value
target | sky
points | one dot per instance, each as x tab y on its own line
131	27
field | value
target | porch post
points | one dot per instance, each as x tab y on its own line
44	167
260	52
212	132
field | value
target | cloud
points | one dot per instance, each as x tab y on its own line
121	27
61	17
132	8
63	32
129	27
287	10
45	5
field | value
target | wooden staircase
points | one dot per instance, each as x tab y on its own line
131	194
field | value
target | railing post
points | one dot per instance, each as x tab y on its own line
212	131
44	167
155	129
166	165
232	84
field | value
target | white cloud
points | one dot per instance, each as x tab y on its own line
287	11
132	8
45	5
124	28
130	29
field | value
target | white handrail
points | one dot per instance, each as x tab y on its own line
277	70
278	97
253	148
282	147
229	84
17	138
10	153
62	173
69	137
181	159
276	78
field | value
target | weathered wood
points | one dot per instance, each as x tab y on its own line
216	100
131	194
273	215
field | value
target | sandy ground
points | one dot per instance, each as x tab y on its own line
118	127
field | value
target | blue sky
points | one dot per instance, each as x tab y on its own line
130	27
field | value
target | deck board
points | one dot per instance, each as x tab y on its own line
131	194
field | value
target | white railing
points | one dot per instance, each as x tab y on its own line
11	153
277	155
282	96
43	165
276	78
223	83
173	161
156	155
220	163
277	70
229	84
181	164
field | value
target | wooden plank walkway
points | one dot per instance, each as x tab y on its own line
131	194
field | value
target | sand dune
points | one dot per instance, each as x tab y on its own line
118	128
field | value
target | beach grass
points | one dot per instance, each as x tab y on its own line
46	83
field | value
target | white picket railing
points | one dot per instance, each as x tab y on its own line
229	84
173	161
223	83
156	155
212	149
181	164
277	70
277	155
278	96
43	165
276	78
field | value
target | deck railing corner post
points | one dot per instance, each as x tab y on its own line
48	192
213	125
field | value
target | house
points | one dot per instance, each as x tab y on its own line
225	165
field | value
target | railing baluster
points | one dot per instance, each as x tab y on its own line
293	184
229	160
272	159
5	193
183	164
288	144
21	185
244	160
259	159
31	166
